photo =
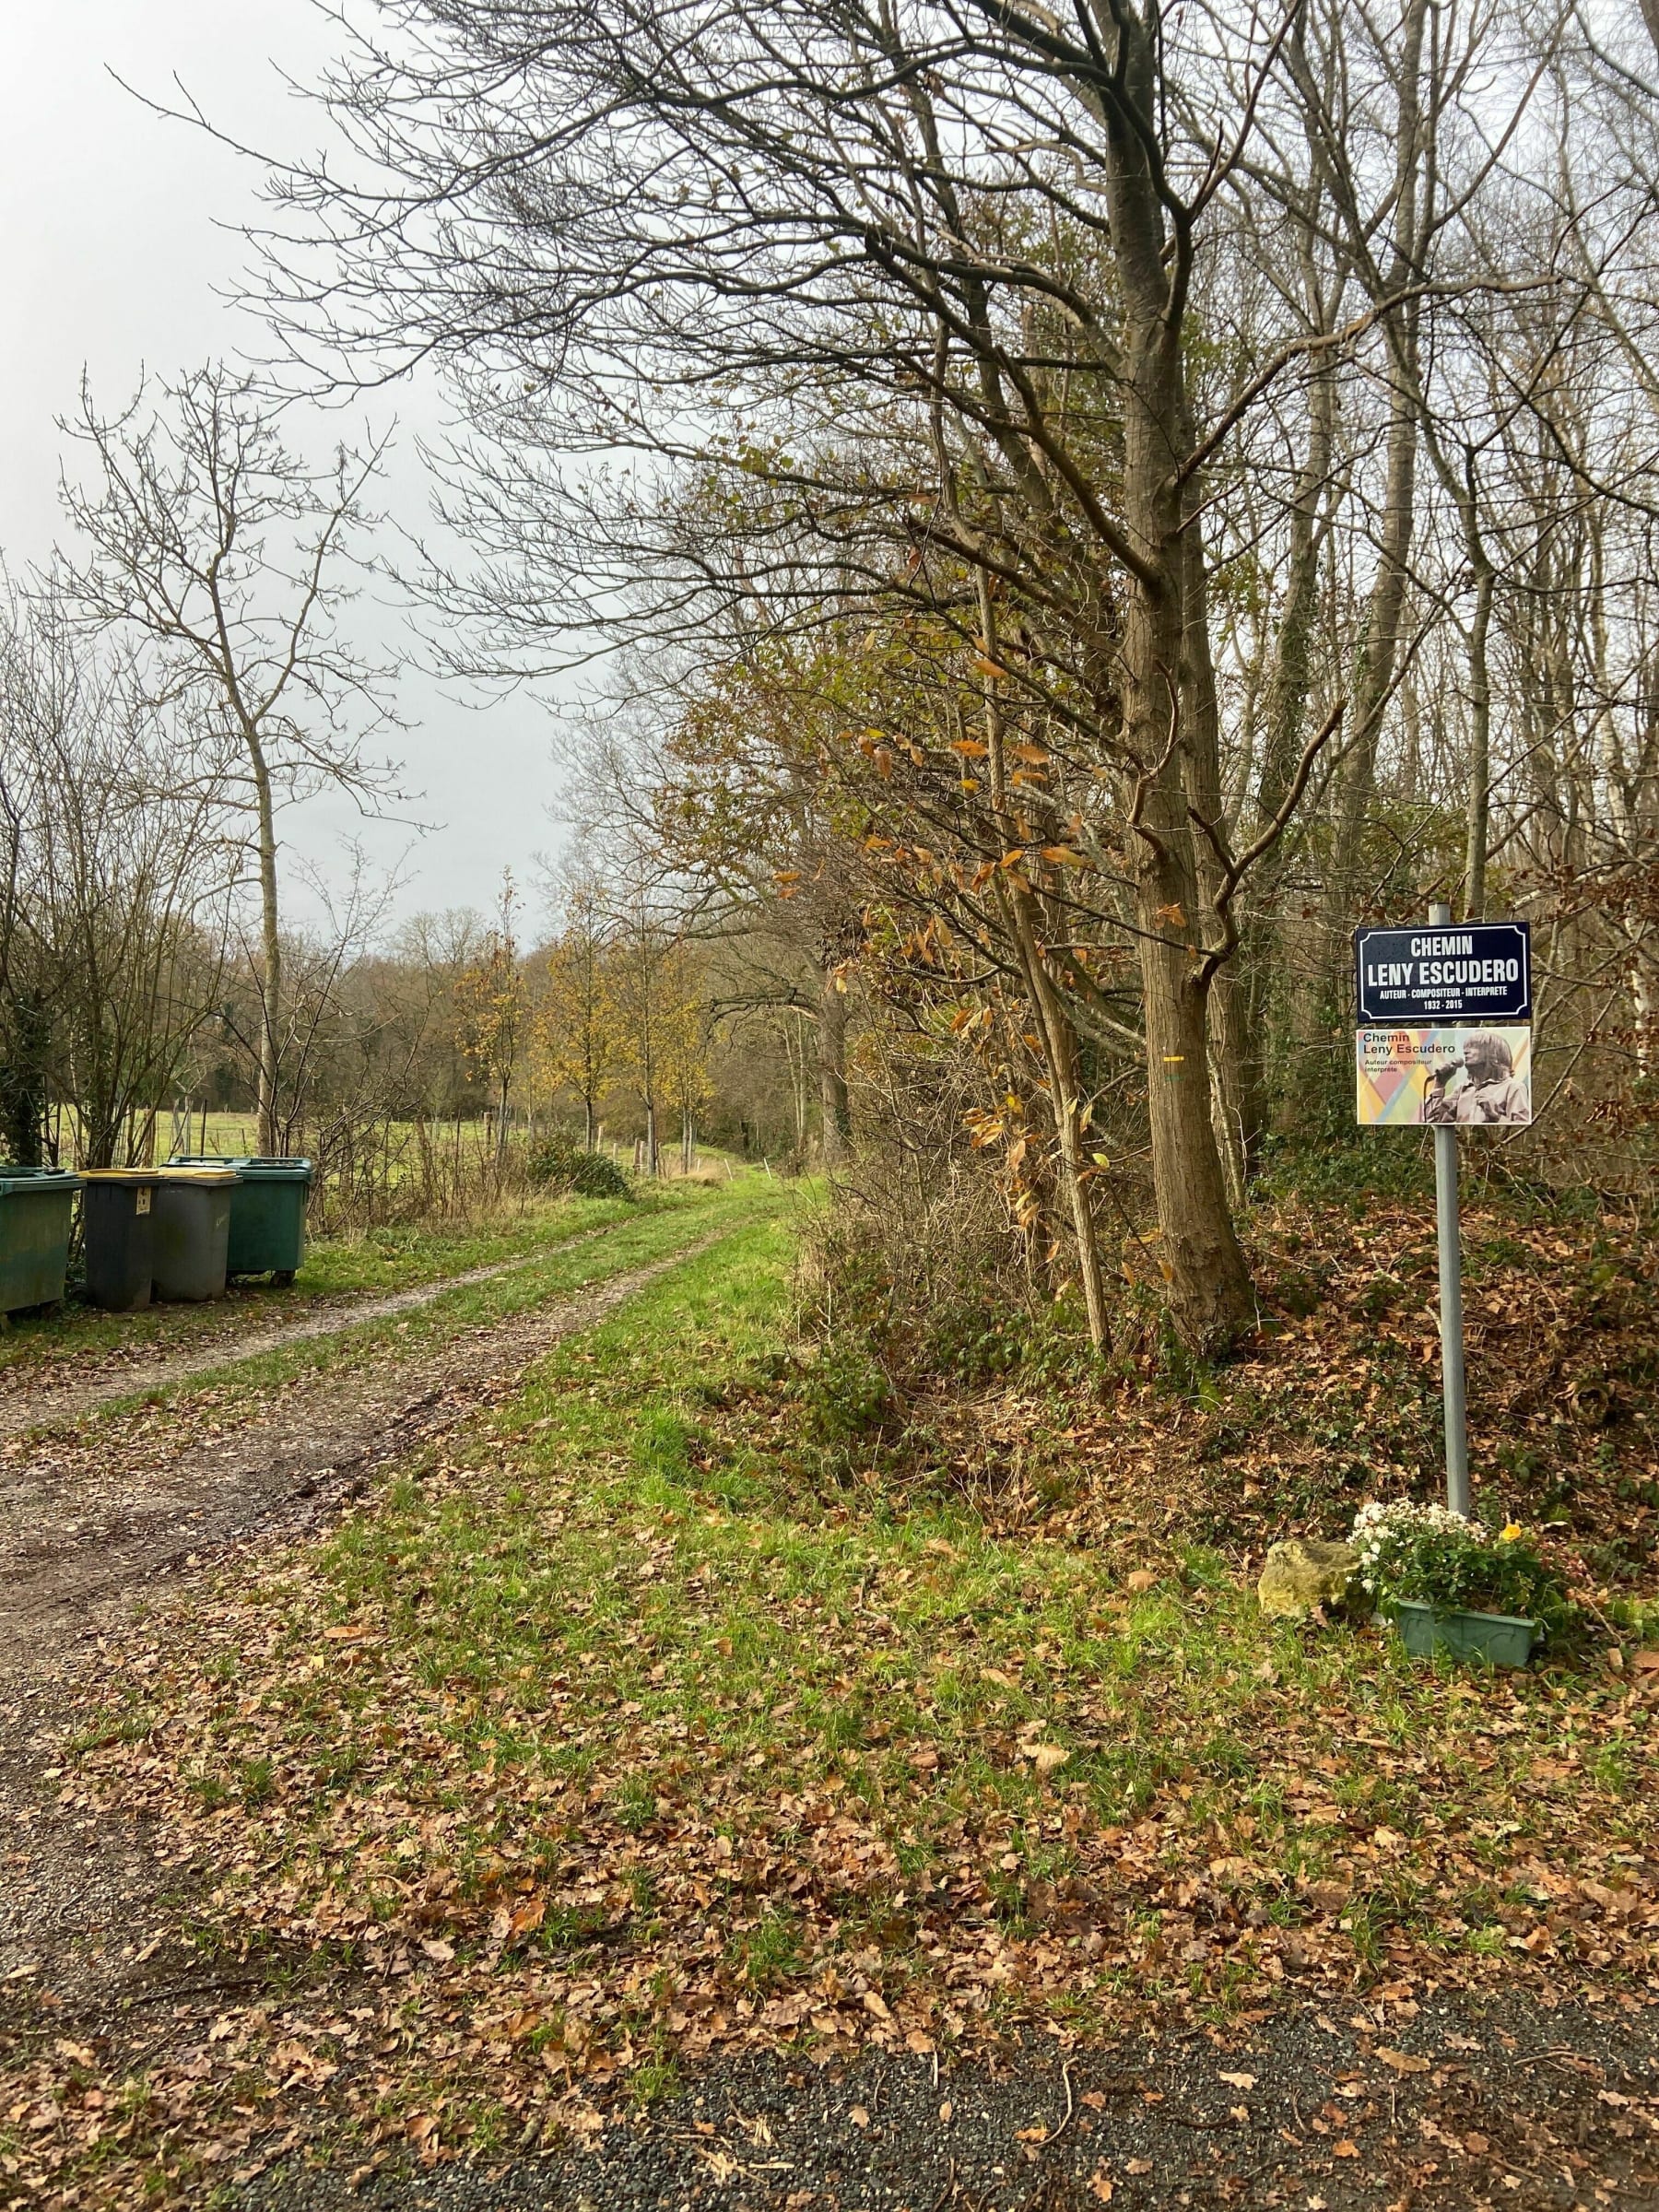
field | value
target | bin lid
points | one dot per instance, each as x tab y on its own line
252	1167
219	1177
14	1182
140	1177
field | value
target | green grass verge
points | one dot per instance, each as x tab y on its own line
616	1599
651	1553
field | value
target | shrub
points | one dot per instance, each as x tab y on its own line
1430	1555
845	1393
557	1164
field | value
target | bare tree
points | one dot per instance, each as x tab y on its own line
209	540
123	861
1179	479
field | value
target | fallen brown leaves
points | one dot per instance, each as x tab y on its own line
1337	1397
472	1857
474	1960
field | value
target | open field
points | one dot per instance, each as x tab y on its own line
236	1135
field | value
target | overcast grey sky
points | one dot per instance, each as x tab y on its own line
118	238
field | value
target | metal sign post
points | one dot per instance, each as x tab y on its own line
1451	1300
1444	1035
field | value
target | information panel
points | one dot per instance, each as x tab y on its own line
1432	976
1446	1078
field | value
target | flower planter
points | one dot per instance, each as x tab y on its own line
1499	1638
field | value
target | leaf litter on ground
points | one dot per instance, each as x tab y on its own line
599	1745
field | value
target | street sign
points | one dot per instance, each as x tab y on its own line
1435	977
1443	1035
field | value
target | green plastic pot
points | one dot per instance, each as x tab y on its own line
1498	1639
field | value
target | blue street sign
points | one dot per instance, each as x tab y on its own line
1481	972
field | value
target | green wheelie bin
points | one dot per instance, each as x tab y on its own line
191	1230
267	1213
35	1208
118	1222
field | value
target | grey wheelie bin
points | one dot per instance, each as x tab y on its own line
267	1213
192	1231
35	1207
118	1221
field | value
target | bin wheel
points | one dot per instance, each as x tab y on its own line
282	1276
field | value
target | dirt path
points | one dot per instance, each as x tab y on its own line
31	1400
89	1519
93	1915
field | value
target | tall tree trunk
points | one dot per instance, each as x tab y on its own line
1375	664
1480	747
1377	659
1201	758
1290	690
1208	1285
1063	1062
270	1134
1056	1033
834	1110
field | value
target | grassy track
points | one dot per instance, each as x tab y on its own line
377	1264
559	1265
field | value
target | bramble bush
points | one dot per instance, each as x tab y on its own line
557	1164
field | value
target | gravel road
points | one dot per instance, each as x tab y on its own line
1302	2110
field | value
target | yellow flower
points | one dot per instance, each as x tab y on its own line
1511	1533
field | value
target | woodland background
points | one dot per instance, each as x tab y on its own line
1071	513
